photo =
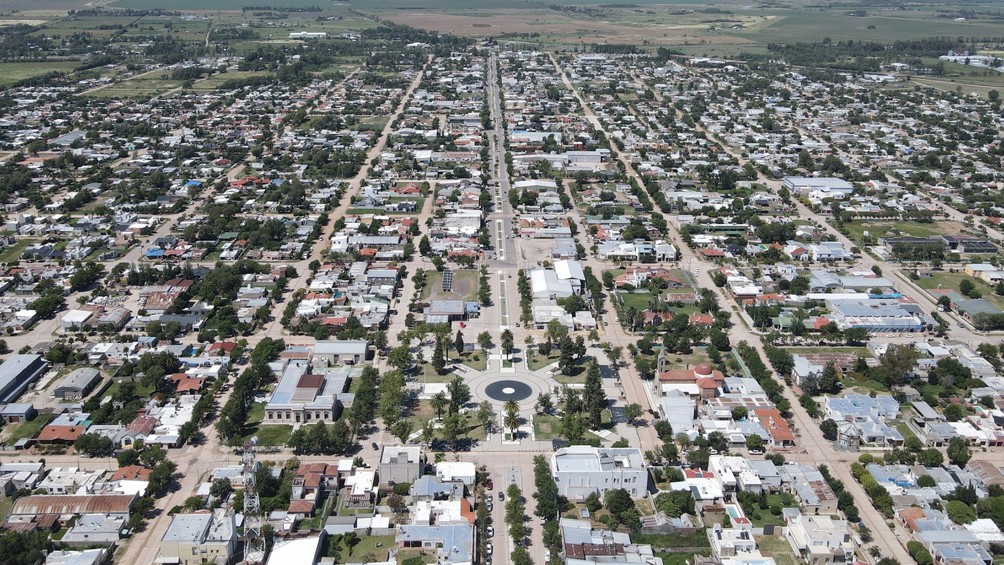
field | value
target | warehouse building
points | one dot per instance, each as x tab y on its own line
17	372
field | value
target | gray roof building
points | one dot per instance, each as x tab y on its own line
17	372
77	384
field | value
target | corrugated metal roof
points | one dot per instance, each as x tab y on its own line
72	504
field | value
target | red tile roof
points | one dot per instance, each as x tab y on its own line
775	425
60	433
131	473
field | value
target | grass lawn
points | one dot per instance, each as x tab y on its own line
778	548
477	361
377	545
256	413
268	434
546	427
855	230
428	374
373	123
537	361
578	378
415	556
272	435
422	413
28	429
638	300
950	281
141	390
6	503
905	431
13	253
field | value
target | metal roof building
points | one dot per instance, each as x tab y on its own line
36	504
77	384
17	372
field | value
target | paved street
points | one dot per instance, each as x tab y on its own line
809	436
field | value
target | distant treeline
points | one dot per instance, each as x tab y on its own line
615	49
98	12
859	55
281	9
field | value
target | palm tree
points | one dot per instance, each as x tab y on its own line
512	419
439	401
507	342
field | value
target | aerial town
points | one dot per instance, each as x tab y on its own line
300	285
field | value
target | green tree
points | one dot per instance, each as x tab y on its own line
754	443
485	340
632	412
439	401
829	429
438	359
458	343
930	458
958	451
960	512
511	419
507	342
460	393
594	398
486	416
452	430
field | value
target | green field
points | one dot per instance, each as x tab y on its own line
13	253
230	5
29	429
813	24
856	229
377	545
214	82
149	85
14	72
950	281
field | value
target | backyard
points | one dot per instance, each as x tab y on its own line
465	286
27	430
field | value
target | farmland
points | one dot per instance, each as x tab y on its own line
14	72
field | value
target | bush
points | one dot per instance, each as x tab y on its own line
402	489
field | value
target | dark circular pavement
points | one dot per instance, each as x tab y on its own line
506	390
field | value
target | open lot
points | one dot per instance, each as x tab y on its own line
876	230
143	86
11	73
465	286
950	281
